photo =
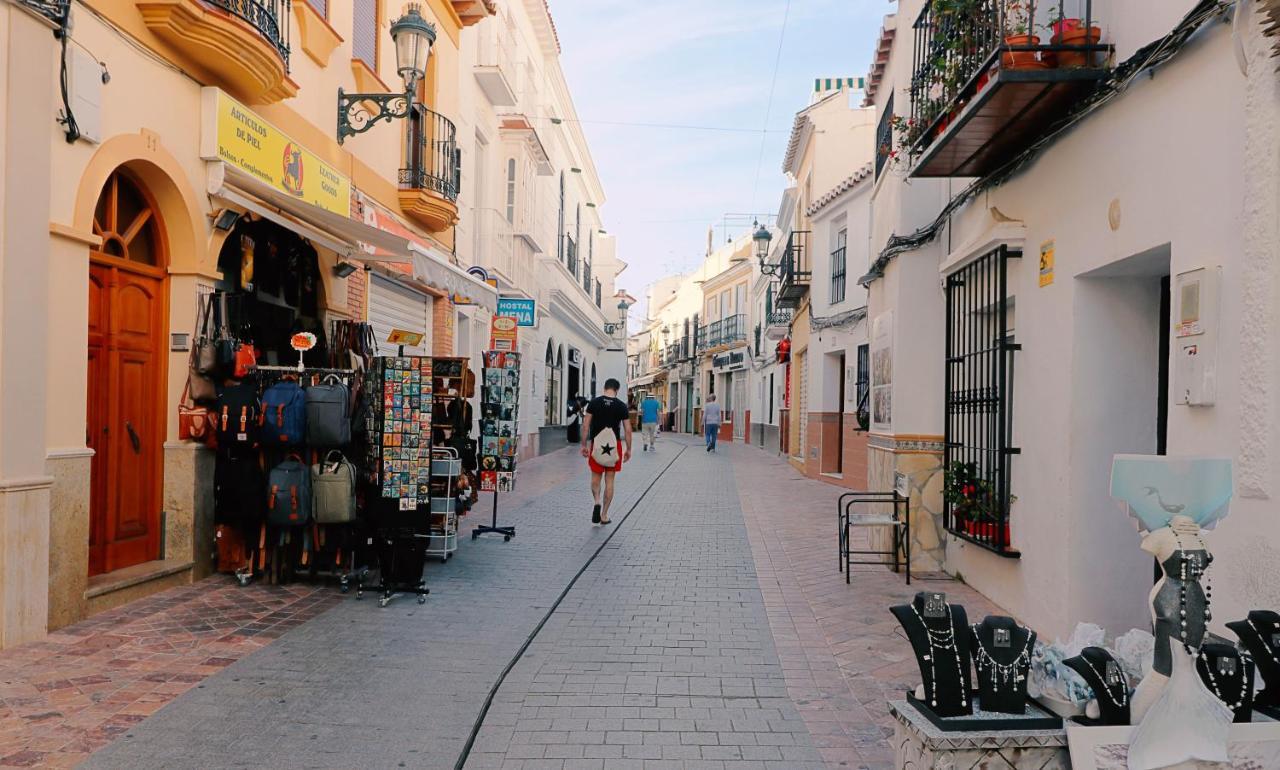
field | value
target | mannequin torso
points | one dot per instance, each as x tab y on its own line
939	635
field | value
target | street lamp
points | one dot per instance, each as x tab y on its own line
761	239
413	37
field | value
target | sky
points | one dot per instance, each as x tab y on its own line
698	63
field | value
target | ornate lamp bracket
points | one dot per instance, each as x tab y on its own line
358	113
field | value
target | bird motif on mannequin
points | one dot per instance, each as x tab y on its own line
1168	508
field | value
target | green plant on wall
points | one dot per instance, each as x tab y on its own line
970	496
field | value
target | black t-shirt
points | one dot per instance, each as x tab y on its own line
607	412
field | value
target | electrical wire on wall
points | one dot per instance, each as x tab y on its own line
1144	59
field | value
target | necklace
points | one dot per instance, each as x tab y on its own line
1123	699
943	641
1190	569
1007	673
1245	663
1271	651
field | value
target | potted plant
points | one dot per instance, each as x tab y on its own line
1019	30
1068	31
970	498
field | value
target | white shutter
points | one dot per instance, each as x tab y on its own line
393	306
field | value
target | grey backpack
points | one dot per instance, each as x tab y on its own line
329	413
289	494
333	490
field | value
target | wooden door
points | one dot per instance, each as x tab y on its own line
125	409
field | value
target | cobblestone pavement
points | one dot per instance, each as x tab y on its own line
712	631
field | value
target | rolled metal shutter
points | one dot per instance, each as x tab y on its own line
364	33
394	306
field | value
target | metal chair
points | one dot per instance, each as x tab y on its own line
899	521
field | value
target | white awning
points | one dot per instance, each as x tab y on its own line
438	271
333	231
644	380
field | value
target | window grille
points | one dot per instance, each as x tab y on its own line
977	440
884	136
863	412
838	268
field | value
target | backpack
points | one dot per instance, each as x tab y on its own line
328	407
237	487
236	415
284	414
333	490
289	494
606	450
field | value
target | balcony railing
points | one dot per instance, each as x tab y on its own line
432	159
598	294
52	10
726	331
571	254
586	277
780	318
794	272
986	59
269	17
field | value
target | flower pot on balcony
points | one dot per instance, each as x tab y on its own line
1022	60
1072	32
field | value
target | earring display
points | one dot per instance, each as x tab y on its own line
1228	673
938	631
1110	685
1002	659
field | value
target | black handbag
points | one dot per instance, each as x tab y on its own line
225	343
204	354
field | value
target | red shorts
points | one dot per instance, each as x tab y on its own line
598	468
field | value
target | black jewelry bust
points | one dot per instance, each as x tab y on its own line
1259	633
1229	676
1002	657
939	634
1106	677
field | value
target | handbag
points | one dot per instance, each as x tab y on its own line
246	360
195	423
225	344
204	353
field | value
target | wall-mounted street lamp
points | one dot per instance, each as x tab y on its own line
413	36
761	240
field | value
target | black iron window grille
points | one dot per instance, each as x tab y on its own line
53	10
571	254
269	17
432	157
956	41
863	412
977	440
794	270
884	136
838	268
598	294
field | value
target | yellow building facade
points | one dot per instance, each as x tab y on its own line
194	115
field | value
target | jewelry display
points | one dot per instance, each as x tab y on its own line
1190	568
943	641
1245	663
1120	701
1271	651
1007	673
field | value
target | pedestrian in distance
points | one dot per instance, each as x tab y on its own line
711	416
604	447
649	421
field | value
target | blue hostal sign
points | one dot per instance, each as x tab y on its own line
519	308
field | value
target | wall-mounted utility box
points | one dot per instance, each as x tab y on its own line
1195	336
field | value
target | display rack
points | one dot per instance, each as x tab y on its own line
446	466
499	432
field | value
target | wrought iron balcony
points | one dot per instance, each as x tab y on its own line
794	272
571	254
726	331
269	17
52	10
985	87
431	158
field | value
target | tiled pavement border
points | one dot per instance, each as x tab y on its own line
81	687
842	652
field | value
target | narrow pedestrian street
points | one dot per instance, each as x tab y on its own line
711	629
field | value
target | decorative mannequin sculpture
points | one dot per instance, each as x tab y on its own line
939	634
1110	685
1178	719
1259	633
1002	657
1228	672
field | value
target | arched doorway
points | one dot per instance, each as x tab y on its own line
126	415
551	405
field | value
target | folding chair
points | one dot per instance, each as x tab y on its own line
899	521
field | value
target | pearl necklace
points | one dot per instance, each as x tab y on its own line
1271	651
1121	701
1245	663
1008	673
1190	569
942	641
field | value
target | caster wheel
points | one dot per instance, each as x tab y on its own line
359	595
422	600
506	538
344	588
474	535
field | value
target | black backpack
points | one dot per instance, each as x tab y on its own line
289	494
238	487
328	413
237	414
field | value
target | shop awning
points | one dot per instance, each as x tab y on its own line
438	271
340	234
644	380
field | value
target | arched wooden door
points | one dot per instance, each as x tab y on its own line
126	415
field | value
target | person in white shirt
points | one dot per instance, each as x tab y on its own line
711	418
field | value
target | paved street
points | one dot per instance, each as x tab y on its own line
712	630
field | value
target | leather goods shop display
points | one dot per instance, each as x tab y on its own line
236	415
284	414
195	422
333	490
289	493
328	418
499	421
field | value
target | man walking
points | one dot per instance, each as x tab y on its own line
649	421
711	421
603	446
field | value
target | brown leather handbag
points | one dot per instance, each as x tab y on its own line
195	423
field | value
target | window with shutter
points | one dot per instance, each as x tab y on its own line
364	32
321	6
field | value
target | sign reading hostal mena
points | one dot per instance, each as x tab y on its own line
239	137
523	310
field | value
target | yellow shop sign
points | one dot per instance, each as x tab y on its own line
239	137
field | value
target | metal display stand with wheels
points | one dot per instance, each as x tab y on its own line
499	434
446	466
